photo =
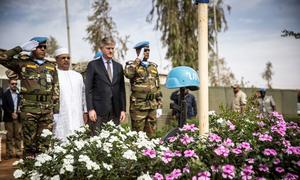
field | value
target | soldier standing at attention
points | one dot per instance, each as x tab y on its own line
39	91
146	97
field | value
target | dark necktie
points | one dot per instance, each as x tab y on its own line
109	70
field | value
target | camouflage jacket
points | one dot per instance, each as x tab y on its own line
145	86
39	83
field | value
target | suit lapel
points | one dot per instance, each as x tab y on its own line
114	72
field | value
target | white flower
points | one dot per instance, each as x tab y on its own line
46	132
18	162
107	147
81	129
69	167
59	149
113	139
221	121
111	123
35	176
79	144
18	173
41	159
56	177
129	154
107	166
131	133
89	176
145	177
123	137
104	134
211	113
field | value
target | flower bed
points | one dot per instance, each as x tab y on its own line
239	146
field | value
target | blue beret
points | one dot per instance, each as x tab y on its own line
98	54
39	39
262	89
142	44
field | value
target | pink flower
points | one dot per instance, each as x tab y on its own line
230	125
190	153
150	152
158	176
186	139
228	171
250	160
261	124
228	142
260	116
298	163
270	152
236	150
293	150
172	139
263	168
189	127
279	128
290	176
222	151
204	175
247	172
176	173
246	146
214	168
186	169
286	143
276	161
167	156
177	153
214	138
265	137
279	169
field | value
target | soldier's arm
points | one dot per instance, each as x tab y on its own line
159	95
130	68
55	95
7	60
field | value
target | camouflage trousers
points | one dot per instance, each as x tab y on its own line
14	134
144	120
33	125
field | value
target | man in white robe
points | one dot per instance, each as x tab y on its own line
73	113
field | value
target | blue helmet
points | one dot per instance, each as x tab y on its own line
183	76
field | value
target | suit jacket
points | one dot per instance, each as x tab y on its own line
8	105
102	95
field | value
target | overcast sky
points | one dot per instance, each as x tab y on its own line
253	37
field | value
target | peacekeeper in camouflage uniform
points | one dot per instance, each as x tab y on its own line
146	97
39	91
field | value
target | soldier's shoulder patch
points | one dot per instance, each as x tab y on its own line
31	66
129	62
153	64
50	68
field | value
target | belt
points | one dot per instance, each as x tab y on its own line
146	96
39	97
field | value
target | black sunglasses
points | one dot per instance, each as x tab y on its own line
65	57
13	83
42	46
146	50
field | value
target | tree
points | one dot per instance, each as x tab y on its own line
286	33
177	20
52	45
102	25
268	73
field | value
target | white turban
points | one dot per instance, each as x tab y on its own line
61	51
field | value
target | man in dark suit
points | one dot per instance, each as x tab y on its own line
105	88
11	102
